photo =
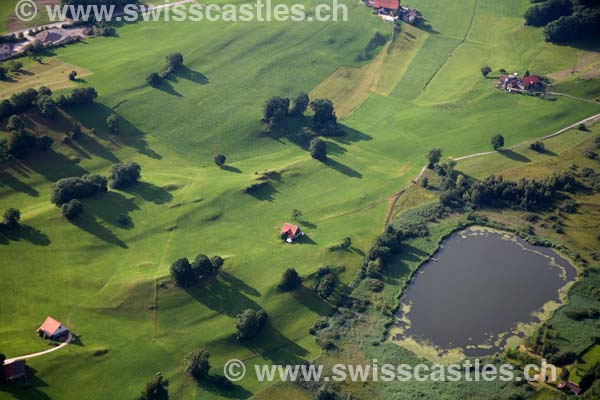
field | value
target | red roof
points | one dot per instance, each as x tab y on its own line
15	370
391	4
291	230
50	326
530	80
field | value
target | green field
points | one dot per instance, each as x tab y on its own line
100	278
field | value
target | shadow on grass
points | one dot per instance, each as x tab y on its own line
15	184
265	192
229	168
223	295
304	240
341	168
307	224
94	116
52	165
211	384
312	301
514	156
24	233
238	284
150	192
165	86
184	72
27	388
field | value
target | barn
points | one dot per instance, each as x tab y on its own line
52	329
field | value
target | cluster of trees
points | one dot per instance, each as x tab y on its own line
580	315
185	273
67	189
22	101
324	121
174	62
345	244
21	142
78	97
566	20
249	323
124	174
11	218
290	280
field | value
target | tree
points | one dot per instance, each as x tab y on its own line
542	14
220	159
538	146
125	174
485	70
216	262
113	123
6	108
497	141
77	187
153	79
3	73
15	123
433	157
181	271
44	91
20	143
47	106
296	214
174	60
564	374
196	364
156	389
12	216
318	149
424	182
325	286
276	109
201	266
72	75
72	209
324	118
249	322
300	104
290	280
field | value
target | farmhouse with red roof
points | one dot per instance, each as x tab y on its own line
51	329
290	232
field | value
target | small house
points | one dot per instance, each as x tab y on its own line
532	82
290	232
52	329
15	370
386	6
409	15
570	387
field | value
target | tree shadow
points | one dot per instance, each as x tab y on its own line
305	239
149	192
266	192
423	23
94	116
238	284
357	251
165	86
514	156
351	135
87	222
15	184
312	301
230	169
94	147
191	75
210	384
222	295
344	169
27	388
53	165
307	224
26	233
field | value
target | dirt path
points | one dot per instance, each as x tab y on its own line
41	353
393	199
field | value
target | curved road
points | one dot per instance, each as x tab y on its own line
41	353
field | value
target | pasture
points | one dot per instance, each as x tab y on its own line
109	283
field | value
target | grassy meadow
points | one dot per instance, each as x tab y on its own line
110	283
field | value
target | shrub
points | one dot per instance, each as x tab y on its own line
156	389
72	75
424	182
196	364
433	157
72	209
125	174
374	285
485	70
249	323
290	280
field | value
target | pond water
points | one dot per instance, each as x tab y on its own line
477	288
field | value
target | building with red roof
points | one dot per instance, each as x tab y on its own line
290	232
532	82
387	4
51	329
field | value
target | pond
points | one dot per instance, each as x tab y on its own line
477	290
